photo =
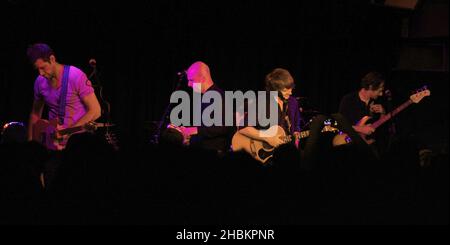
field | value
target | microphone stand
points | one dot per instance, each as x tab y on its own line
155	139
107	112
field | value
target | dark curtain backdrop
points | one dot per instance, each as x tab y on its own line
327	45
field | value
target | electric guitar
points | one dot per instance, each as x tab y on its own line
343	138
46	133
261	150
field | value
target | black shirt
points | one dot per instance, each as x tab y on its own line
215	138
353	108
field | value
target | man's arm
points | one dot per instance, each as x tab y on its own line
93	109
188	131
347	109
35	115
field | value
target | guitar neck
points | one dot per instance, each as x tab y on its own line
391	114
304	134
71	130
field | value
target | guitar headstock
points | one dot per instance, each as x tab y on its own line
420	94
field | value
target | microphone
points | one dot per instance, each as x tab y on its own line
388	94
93	63
181	73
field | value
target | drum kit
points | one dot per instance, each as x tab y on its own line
308	113
13	132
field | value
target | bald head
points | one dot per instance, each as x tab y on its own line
199	73
199	68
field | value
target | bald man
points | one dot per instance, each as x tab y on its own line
199	73
216	138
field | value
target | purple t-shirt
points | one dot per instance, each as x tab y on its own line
78	87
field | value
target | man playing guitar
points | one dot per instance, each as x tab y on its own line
212	138
66	91
356	105
366	116
288	113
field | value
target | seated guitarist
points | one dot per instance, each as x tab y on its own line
355	105
211	138
81	104
288	110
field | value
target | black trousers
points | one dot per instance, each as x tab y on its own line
51	167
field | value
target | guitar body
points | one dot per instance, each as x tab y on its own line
343	139
363	122
259	150
44	132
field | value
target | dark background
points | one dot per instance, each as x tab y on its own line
139	47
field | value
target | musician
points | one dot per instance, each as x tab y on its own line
81	104
279	80
365	102
215	138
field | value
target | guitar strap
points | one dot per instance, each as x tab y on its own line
63	95
286	117
284	113
288	121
